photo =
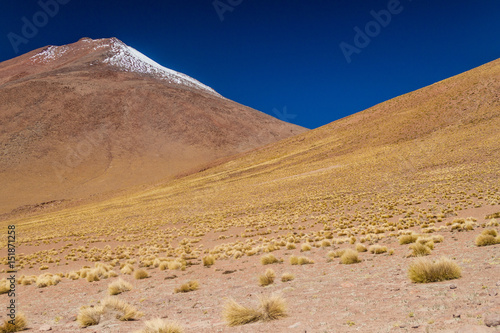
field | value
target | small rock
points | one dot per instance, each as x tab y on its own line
498	284
45	328
453	286
456	316
415	326
493	293
492	320
294	325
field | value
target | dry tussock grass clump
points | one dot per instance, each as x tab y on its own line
420	250
20	324
487	237
236	314
377	249
187	287
424	270
492	223
4	286
267	278
286	277
119	286
294	260
208	260
335	254
27	280
124	311
305	247
89	316
140	274
407	239
425	241
46	280
361	248
175	265
270	308
349	257
159	325
127	269
268	259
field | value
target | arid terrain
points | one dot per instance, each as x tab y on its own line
93	117
333	222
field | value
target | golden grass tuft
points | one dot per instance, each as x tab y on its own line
286	277
127	269
268	259
159	325
491	232
46	280
174	265
20	324
187	287
377	249
349	257
125	311
335	254
420	250
305	247
407	239
304	261
140	274
93	276
208	260
4	286
270	308
119	286
267	278
487	237
236	314
361	248
89	316
424	270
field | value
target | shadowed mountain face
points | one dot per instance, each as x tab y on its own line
98	116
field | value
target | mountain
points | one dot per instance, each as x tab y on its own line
97	116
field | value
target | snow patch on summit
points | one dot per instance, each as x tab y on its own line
131	60
50	54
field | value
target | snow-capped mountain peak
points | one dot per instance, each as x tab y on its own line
129	59
120	56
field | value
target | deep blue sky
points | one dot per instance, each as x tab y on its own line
276	54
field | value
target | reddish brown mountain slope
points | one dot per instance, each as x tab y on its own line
96	115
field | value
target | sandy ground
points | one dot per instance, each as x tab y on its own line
375	295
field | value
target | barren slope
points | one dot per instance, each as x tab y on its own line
426	164
96	115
